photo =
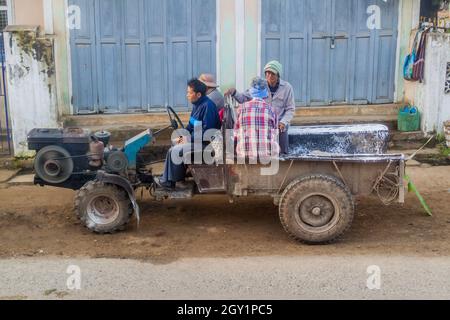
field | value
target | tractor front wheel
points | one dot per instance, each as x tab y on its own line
103	208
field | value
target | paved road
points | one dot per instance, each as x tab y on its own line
309	277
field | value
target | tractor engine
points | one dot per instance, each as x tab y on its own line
60	153
68	157
71	157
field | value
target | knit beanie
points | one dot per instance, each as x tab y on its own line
275	67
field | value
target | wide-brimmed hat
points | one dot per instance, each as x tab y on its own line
209	80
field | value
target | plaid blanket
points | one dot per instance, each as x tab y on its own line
256	131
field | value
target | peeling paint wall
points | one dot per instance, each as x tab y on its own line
62	59
430	96
31	84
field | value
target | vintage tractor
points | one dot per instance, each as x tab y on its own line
314	186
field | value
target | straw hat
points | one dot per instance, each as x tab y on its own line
209	80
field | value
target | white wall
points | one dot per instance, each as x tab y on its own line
430	96
31	91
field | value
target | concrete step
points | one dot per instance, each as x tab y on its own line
157	120
7	175
125	126
410	140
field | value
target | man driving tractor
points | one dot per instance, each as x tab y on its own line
204	117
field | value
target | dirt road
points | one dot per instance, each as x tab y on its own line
39	222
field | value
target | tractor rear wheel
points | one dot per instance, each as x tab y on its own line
316	209
103	208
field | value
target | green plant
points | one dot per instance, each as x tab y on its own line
68	122
445	151
440	138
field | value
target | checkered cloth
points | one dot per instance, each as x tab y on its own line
256	131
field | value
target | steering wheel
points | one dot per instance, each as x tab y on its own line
175	120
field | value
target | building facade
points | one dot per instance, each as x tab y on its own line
134	56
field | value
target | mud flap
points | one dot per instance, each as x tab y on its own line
413	188
124	184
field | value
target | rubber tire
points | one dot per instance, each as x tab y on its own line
95	188
330	187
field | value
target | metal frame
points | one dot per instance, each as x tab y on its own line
4	150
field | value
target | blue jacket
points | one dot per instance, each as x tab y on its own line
204	113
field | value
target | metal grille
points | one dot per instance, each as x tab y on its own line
3	19
447	80
3	24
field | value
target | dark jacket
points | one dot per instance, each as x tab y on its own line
204	112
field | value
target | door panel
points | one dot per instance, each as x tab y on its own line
84	75
180	57
340	42
385	48
156	46
204	50
320	28
339	72
134	81
331	55
137	55
297	46
320	66
109	56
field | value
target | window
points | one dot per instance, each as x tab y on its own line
431	10
3	14
3	24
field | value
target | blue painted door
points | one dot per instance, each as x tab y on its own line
330	55
137	55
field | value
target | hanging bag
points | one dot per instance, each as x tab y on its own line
410	60
229	119
419	65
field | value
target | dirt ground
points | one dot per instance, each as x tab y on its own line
37	221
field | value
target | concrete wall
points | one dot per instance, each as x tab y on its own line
28	12
429	96
62	57
31	84
409	20
227	44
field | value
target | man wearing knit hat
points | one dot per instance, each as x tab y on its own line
281	98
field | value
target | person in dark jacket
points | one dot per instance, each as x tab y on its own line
204	117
